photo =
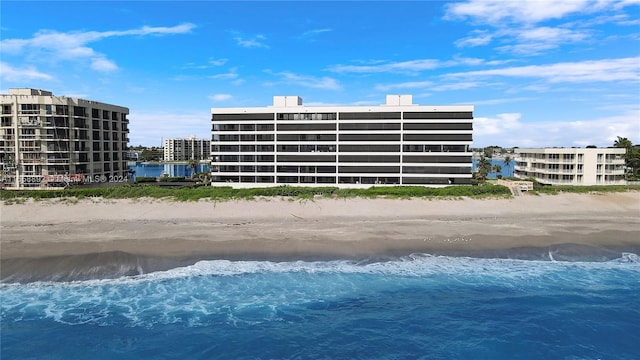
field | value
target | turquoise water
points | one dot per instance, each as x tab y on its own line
418	306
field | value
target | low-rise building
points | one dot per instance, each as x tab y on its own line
53	141
571	166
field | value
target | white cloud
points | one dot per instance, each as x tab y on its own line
316	31
500	101
522	11
53	45
220	97
625	69
210	63
405	85
510	130
9	73
428	85
255	42
477	38
103	64
218	62
325	83
534	40
411	66
232	74
515	22
312	34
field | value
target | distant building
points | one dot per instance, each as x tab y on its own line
133	155
397	143
187	149
571	166
53	141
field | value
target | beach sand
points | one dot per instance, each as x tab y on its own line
92	238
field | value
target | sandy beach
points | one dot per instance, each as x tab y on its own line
97	236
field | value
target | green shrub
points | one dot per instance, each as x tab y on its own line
173	179
145	179
189	193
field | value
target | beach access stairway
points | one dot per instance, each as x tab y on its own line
517	187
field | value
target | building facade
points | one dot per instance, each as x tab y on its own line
571	166
397	143
53	141
187	149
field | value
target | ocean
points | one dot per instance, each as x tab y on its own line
414	307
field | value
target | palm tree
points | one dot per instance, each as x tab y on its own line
484	168
631	155
192	164
622	142
496	168
507	161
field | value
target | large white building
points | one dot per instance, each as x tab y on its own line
186	149
397	143
571	166
52	141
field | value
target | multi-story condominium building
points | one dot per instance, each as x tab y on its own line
187	149
397	143
53	141
571	166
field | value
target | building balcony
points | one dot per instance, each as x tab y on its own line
58	161
614	172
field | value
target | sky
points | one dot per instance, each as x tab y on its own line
539	73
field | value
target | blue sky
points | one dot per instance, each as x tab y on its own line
540	73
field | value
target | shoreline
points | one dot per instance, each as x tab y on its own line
98	238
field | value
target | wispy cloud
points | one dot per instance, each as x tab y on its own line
428	85
57	46
476	38
515	23
289	78
220	97
531	41
312	34
254	42
625	69
412	66
9	73
500	101
405	85
523	11
230	75
210	64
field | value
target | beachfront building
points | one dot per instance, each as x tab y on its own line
53	141
571	166
186	149
396	143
